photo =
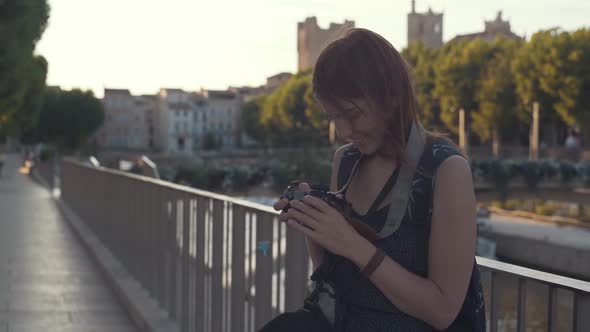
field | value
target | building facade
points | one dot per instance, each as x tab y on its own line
426	28
276	81
216	121
174	125
492	29
189	122
311	40
129	121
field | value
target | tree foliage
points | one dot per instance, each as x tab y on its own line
289	116
69	118
496	94
22	23
250	119
421	60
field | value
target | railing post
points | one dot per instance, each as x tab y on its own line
160	247
200	265
581	312
521	314
493	302
172	266
264	269
185	262
296	275
238	292
217	269
552	310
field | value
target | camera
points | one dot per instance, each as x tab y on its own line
320	191
334	200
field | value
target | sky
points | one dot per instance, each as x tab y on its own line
145	45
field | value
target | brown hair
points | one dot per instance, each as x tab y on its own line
365	65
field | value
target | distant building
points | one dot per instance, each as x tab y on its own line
493	29
425	27
174	117
187	119
311	40
218	116
128	121
276	81
247	93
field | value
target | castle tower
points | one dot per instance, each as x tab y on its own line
311	40
426	27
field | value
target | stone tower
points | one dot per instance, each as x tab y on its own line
426	27
311	40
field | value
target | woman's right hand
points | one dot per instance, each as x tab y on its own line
281	203
315	250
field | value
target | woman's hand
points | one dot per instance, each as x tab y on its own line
324	225
281	203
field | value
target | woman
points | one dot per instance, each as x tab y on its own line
428	279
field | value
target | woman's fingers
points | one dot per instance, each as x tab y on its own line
307	209
305	219
280	204
284	216
306	231
317	203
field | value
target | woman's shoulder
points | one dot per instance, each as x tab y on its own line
436	151
441	149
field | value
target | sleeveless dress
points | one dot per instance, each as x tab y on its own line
362	305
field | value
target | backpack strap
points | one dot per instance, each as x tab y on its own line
403	185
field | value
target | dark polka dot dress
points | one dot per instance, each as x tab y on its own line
364	307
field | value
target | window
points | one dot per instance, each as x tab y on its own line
437	28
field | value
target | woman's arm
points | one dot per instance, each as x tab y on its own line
438	298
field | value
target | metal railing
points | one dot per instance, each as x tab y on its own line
216	263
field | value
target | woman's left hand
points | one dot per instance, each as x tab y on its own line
327	226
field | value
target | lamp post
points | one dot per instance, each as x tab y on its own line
332	129
463	139
534	136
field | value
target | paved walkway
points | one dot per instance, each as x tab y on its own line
47	281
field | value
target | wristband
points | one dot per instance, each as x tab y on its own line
374	262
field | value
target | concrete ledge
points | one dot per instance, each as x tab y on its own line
539	254
143	310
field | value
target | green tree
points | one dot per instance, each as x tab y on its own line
291	115
26	119
567	76
250	119
422	65
22	23
69	118
496	116
531	65
458	71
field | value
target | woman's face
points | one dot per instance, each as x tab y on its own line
357	123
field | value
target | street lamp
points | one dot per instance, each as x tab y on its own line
463	144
